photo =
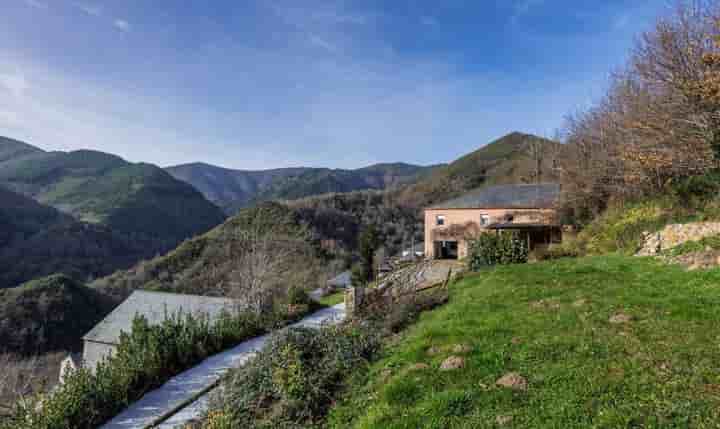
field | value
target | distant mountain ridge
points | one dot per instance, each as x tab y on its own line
234	189
86	213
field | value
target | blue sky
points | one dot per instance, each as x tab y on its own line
255	84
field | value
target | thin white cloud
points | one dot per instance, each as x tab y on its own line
322	43
15	84
36	4
90	9
122	25
340	18
9	118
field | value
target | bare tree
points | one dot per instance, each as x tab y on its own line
650	127
267	258
18	378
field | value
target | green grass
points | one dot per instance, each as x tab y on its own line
550	323
333	299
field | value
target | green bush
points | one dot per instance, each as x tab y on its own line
298	296
557	251
697	190
496	249
294	378
145	358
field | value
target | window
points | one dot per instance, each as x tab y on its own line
440	220
484	220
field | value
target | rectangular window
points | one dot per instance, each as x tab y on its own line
440	220
484	220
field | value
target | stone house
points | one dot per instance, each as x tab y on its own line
104	338
531	210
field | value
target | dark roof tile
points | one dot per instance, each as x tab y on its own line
506	196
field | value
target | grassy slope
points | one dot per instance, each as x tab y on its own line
660	370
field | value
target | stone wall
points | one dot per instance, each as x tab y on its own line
675	235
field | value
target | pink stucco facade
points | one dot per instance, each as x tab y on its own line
460	225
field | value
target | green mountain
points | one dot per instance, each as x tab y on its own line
514	158
121	211
234	189
48	314
104	189
37	240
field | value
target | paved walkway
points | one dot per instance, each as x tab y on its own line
175	398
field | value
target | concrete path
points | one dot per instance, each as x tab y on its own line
185	396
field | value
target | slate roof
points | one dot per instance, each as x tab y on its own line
541	196
155	306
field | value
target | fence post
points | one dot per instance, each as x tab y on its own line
354	297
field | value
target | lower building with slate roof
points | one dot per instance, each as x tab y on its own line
155	307
529	209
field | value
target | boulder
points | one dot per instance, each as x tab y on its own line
452	363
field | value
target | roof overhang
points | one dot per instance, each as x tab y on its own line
501	226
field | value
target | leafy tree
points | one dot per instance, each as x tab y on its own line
368	242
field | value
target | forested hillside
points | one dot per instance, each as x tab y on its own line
514	158
37	241
87	213
267	245
48	314
234	189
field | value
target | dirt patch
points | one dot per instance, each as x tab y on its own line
513	381
620	318
545	304
419	367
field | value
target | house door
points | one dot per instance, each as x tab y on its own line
446	250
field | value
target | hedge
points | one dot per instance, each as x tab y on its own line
489	249
145	358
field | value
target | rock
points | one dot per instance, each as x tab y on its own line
675	235
461	348
452	363
513	381
503	420
419	367
620	318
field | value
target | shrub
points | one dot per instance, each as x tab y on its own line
298	296
557	251
697	190
292	380
497	249
144	359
